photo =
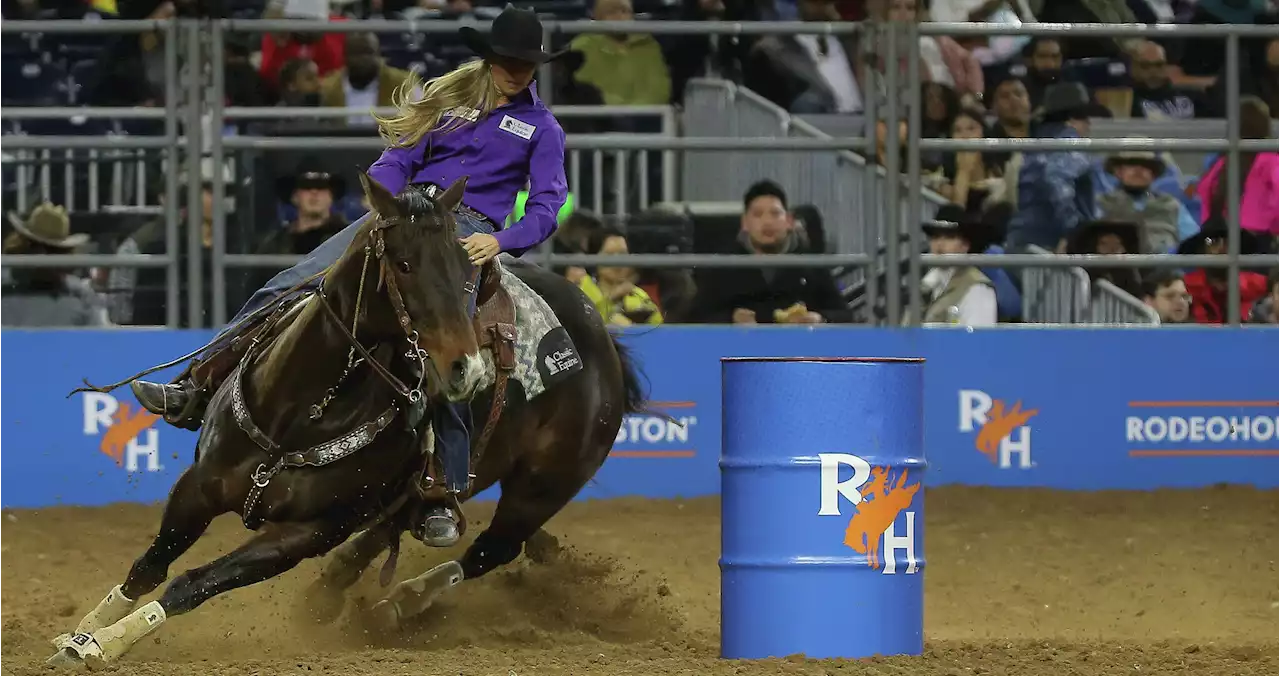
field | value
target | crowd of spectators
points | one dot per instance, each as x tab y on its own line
1007	87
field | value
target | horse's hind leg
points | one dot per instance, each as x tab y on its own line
278	548
527	502
186	516
323	598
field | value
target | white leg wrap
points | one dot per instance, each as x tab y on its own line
116	639
110	610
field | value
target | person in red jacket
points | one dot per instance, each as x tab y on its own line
327	50
1208	287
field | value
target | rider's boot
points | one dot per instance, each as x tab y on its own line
176	401
442	523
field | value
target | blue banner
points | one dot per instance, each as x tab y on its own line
1060	408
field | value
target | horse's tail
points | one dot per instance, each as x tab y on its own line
634	395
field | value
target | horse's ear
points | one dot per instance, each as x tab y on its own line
380	199
453	196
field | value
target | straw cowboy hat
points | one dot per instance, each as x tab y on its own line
516	34
953	220
49	225
1141	158
1069	100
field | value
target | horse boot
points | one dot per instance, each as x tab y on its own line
441	525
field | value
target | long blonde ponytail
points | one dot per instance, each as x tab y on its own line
469	85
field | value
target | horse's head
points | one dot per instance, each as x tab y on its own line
426	272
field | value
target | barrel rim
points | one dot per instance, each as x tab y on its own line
829	360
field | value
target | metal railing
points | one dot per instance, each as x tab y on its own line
899	40
1054	295
1113	305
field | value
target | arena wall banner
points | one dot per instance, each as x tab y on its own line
1061	408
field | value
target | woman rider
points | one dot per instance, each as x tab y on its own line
483	120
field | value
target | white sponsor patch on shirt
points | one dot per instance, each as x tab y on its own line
522	129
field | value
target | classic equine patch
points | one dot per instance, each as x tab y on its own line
545	354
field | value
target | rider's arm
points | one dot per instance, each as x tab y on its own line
547	191
396	166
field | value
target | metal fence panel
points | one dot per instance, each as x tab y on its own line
1113	305
1054	295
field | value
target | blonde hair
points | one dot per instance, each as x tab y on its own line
469	85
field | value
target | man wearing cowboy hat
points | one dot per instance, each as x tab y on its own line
957	295
312	191
48	297
1055	189
1208	286
1164	220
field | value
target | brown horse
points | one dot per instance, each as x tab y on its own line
399	283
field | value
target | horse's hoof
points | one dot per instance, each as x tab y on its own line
413	597
76	650
321	603
383	618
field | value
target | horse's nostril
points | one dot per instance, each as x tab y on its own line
458	372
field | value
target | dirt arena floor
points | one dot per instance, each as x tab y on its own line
1019	583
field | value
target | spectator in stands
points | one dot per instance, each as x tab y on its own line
941	104
1199	62
628	69
1208	286
313	191
130	70
970	177
1154	94
244	86
299	84
1259	175
366	82
1087	11
1043	57
808	73
768	295
613	289
1055	190
957	295
1109	238
1165	291
1267	310
574	236
1011	104
48	297
882	143
994	50
326	50
716	56
1164	220
942	59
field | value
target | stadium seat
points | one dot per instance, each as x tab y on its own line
33	83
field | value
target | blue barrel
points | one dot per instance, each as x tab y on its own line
822	507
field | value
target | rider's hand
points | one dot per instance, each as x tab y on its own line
481	247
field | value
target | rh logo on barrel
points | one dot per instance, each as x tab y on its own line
878	497
126	434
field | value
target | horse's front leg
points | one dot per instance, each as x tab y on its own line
278	548
187	515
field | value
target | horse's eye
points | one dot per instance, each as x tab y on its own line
403	266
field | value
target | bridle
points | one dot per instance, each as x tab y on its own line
376	250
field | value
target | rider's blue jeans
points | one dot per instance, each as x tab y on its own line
451	422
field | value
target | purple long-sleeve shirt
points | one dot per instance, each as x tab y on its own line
519	142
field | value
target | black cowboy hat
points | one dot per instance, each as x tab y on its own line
952	219
1068	100
515	33
1216	228
311	173
1088	232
